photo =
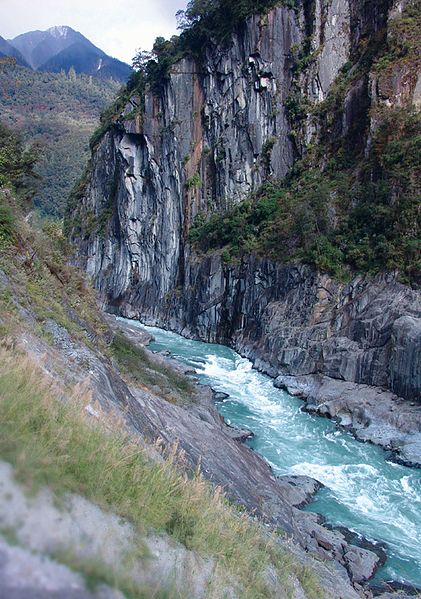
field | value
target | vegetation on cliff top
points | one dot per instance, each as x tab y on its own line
202	21
338	219
205	20
341	208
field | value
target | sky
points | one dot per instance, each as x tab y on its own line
119	27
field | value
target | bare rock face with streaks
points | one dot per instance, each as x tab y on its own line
213	134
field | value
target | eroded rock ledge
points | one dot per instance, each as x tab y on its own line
354	351
371	413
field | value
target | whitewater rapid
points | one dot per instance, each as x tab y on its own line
364	490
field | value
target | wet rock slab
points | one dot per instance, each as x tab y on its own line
300	490
373	414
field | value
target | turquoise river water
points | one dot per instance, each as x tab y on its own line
364	489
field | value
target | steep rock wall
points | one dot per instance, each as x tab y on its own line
212	135
292	320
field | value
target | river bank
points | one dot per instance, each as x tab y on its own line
370	413
248	479
361	470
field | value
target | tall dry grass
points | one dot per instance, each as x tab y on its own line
55	443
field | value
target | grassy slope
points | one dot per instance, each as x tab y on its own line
137	366
60	114
51	443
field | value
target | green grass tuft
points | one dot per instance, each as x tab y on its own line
138	366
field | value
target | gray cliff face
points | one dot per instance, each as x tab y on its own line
332	39
292	321
211	136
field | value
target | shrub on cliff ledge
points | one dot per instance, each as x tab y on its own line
340	219
139	368
7	222
204	20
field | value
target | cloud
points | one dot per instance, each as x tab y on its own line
118	28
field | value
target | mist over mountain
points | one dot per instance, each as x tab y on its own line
60	48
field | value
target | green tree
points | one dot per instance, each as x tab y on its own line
72	74
16	163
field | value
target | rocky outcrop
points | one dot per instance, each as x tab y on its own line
405	370
291	320
203	440
372	414
213	134
51	543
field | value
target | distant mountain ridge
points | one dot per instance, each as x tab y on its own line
6	49
61	47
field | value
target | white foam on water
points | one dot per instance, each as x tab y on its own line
364	503
240	381
406	484
379	498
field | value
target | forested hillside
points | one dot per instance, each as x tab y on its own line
58	112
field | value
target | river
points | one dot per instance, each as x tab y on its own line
365	490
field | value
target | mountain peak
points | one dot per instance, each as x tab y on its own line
61	47
60	31
6	49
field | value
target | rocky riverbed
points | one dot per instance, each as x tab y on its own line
371	413
248	479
